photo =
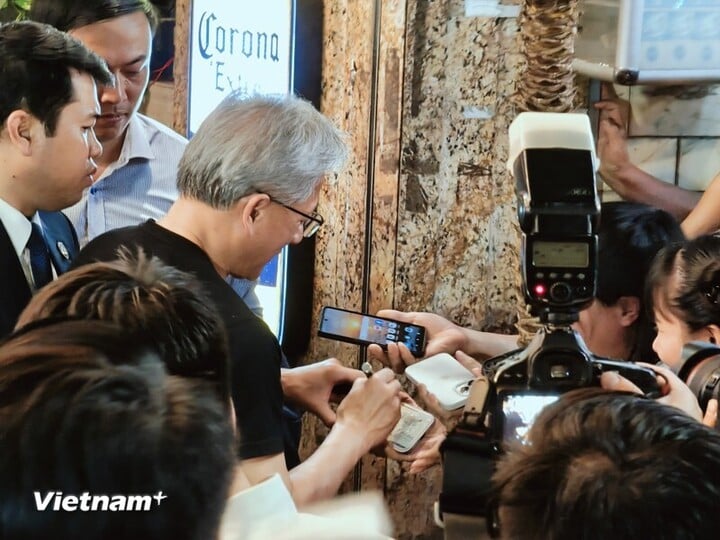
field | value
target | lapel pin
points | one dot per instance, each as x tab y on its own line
63	250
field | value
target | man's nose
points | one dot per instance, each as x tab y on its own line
96	148
115	93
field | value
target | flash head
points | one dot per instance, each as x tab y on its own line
552	157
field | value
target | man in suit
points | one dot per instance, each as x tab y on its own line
48	108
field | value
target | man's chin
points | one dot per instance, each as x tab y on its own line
109	134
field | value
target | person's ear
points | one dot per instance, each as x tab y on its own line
714	331
19	127
252	207
629	308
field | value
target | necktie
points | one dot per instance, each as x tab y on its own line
39	257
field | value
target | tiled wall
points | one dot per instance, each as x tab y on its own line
674	133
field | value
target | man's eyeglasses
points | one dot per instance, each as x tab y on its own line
312	222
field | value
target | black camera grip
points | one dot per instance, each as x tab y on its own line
642	377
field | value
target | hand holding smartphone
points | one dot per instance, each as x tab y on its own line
364	329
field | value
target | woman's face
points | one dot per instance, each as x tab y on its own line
672	332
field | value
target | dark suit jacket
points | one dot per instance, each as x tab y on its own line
15	293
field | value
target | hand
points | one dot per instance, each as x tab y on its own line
442	336
612	137
711	414
372	408
311	386
675	392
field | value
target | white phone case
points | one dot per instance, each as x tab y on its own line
444	377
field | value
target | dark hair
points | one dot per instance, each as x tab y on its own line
695	296
630	235
67	15
79	415
35	66
153	303
611	465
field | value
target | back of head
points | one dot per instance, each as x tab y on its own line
280	145
695	296
67	15
91	434
630	236
154	304
601	465
36	62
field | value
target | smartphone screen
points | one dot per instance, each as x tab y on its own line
364	329
519	412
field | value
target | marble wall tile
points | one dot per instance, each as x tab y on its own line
339	277
675	111
699	162
458	240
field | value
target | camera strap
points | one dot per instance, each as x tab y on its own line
468	465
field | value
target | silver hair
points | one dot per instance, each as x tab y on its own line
278	145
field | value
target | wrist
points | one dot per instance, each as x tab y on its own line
288	383
353	435
622	178
466	343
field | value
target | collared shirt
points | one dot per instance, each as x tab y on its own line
140	185
18	228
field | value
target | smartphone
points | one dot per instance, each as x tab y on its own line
364	329
444	377
413	424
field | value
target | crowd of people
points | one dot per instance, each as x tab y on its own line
135	373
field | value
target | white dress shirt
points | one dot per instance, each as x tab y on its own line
18	228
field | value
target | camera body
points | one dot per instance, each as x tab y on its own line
555	361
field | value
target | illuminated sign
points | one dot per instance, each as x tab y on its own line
243	46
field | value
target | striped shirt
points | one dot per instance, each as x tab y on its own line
140	185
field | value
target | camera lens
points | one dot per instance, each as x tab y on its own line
704	380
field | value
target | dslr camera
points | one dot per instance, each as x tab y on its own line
552	158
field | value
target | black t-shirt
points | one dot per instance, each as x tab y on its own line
254	350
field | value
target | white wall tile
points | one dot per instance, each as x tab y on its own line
699	162
608	195
654	114
656	156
